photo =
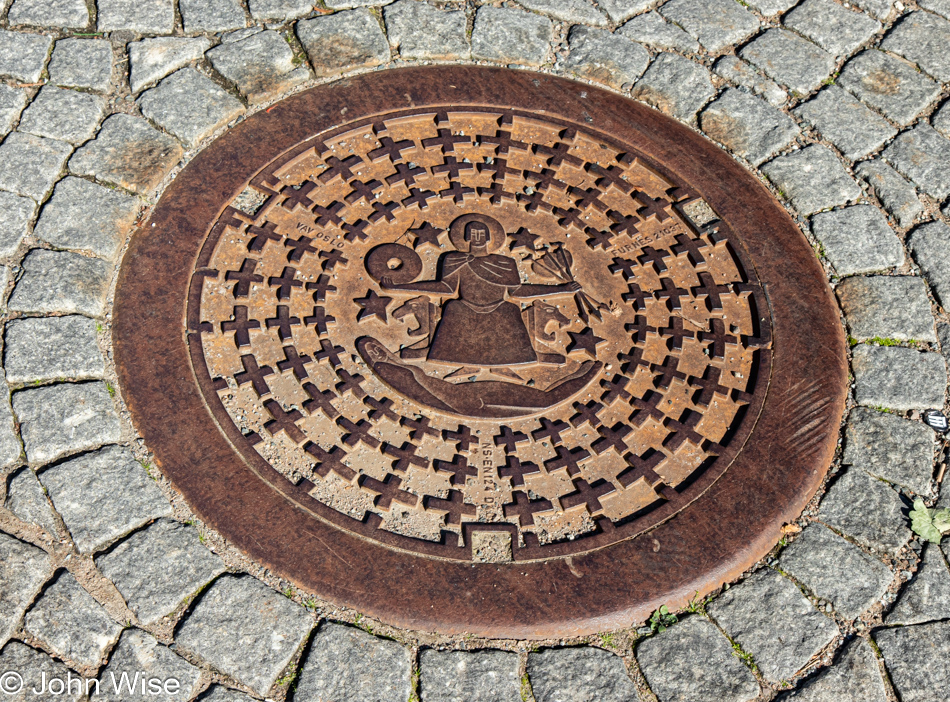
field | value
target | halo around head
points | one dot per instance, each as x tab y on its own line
495	230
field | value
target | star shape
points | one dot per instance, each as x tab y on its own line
585	341
426	234
372	304
523	238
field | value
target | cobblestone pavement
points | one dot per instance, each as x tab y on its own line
839	108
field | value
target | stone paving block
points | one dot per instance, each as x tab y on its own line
579	674
246	630
812	179
16	212
923	155
22	56
142	16
350	4
836	570
83	216
916	660
927	597
346	663
59	281
70	622
138	652
156	568
889	85
40	349
930	244
420	31
511	36
343	41
280	9
103	495
924	38
573	11
774	622
789	59
831	26
652	29
23	570
150	60
12	102
469	676
82	63
742	73
65	14
876	8
717	24
897	195
622	10
190	106
940	119
847	123
27	501
601	56
771	7
674	671
29	165
33	666
854	677
898	450
898	378
211	15
867	510
890	307
129	152
10	447
941	7
217	693
857	239
675	85
260	65
61	419
748	126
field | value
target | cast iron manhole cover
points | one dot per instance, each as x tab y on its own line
478	350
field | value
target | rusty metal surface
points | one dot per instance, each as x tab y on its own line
365	334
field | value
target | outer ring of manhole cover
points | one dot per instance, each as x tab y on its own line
493	352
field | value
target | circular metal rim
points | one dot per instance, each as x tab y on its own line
727	529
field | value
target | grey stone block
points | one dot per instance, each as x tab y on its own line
930	244
33	666
674	671
82	63
742	73
346	663
578	674
12	102
138	652
897	195
280	9
59	281
748	126
343	41
511	36
103	495
16	212
923	155
880	9
836	570
898	378
156	568
350	4
940	119
676	86
652	29
923	38
622	10
142	16
857	240
129	152
916	660
65	14
23	56
926	598
890	307
260	65
10	448
420	31
70	622
574	11
469	676
27	501
83	216
894	449
607	58
847	123
941	7
211	15
771	7
812	179
40	349
190	105
888	84
23	570
831	26
770	618
150	60
217	693
245	630
29	165
717	24
789	59
867	510
854	676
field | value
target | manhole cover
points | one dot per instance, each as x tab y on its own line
480	350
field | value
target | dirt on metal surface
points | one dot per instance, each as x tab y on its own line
517	371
